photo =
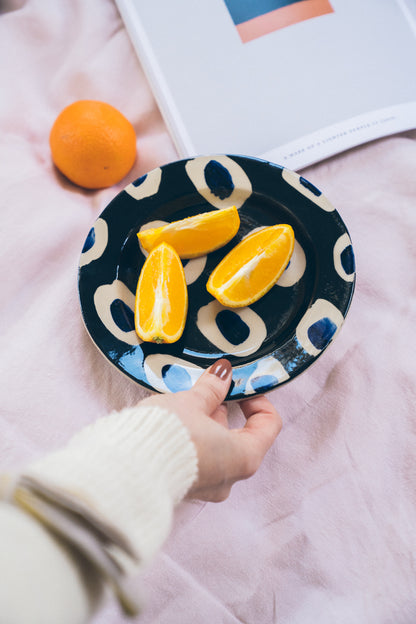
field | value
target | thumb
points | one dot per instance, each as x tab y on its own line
213	385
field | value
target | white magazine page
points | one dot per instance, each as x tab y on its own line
294	95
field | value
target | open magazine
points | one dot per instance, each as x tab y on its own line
292	81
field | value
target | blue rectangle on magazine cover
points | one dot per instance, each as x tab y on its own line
244	10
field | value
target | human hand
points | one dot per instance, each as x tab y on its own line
224	455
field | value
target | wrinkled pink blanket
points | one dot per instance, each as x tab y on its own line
325	531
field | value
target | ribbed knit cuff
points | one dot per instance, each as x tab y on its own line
127	470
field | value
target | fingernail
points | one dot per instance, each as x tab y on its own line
222	368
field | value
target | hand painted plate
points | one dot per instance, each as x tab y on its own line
268	343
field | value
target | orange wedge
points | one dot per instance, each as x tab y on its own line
162	297
195	236
251	268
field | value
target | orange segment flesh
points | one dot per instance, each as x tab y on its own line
251	268
161	298
195	236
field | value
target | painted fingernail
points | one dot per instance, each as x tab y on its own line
222	368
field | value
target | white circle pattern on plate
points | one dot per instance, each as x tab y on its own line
95	243
168	373
268	374
308	189
145	186
319	326
268	343
344	258
238	331
220	180
295	269
114	304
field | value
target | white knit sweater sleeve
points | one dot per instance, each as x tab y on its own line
111	491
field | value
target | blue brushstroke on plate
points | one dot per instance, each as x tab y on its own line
89	241
219	179
321	332
232	327
176	377
348	260
262	383
311	187
130	361
140	180
123	316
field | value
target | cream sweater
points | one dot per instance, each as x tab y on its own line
90	516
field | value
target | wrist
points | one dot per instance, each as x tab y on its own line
122	476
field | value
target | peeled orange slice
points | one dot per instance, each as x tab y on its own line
161	297
195	236
251	268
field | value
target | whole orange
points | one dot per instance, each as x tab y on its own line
93	144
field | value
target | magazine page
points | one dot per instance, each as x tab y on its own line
294	84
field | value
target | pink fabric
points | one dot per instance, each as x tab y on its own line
325	531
